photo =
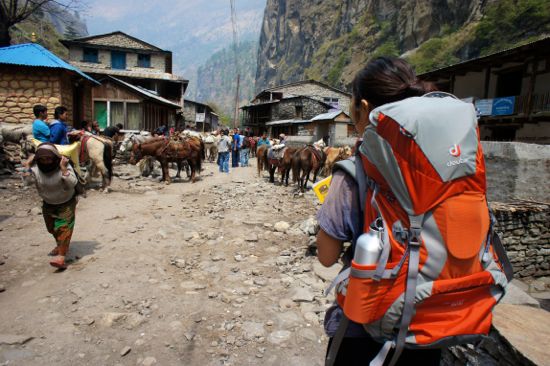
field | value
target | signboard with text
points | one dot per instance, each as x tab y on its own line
200	117
484	107
496	106
504	106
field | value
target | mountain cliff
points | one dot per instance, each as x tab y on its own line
50	24
330	40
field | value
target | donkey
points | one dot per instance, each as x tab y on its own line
305	161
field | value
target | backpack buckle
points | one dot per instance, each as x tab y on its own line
414	236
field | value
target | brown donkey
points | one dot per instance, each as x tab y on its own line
305	161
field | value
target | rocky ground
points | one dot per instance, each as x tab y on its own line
219	272
212	273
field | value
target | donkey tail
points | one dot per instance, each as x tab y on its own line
108	160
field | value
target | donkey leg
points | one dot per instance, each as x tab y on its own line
100	166
179	169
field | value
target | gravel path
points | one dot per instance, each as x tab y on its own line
211	273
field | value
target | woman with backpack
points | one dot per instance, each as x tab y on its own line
383	80
55	181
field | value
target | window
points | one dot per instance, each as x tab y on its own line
117	113
118	60
134	115
333	102
509	83
299	111
90	55
144	60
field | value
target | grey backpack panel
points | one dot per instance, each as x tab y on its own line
379	152
452	153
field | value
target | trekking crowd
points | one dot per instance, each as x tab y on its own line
236	145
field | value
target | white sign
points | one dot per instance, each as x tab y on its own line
484	107
200	117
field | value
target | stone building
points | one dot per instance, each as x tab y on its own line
199	116
132	61
288	115
510	88
289	108
336	98
30	74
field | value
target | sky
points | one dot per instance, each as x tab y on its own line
192	29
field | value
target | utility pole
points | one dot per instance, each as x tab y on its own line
236	116
235	43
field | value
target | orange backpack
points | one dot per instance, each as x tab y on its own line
420	168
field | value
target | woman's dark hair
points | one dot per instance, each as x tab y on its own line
386	80
58	111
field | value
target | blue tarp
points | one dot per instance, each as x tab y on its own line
34	55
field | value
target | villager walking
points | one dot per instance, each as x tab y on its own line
235	149
224	147
40	128
55	181
245	149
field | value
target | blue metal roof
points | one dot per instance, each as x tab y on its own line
34	55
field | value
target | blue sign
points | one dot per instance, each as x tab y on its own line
503	106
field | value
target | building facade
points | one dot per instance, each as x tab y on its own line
133	61
510	89
199	116
289	108
32	75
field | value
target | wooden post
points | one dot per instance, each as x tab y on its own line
532	79
487	82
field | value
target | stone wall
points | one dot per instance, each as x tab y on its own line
524	230
517	170
286	109
20	90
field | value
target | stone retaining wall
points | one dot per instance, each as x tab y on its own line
20	91
524	230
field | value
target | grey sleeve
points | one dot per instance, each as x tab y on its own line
339	215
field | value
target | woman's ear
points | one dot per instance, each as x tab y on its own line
362	116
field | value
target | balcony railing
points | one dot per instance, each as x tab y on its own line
541	103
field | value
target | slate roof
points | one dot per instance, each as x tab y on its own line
147	93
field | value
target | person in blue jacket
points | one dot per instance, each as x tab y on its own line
58	128
40	129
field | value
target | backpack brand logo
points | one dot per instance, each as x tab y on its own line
455	150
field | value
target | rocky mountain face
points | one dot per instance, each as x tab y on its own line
330	40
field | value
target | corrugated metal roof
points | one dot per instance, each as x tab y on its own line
147	93
328	115
34	55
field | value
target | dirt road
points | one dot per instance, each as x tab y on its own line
184	274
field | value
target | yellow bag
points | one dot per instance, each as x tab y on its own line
71	151
321	188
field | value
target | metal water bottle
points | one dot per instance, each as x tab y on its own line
369	245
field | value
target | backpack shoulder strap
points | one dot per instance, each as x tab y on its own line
354	168
347	166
